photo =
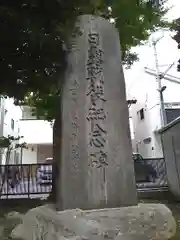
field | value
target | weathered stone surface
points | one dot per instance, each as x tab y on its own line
8	222
96	169
13	215
1	230
145	221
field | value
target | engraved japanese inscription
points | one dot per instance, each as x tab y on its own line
96	152
96	115
75	155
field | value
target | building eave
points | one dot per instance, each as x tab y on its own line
169	125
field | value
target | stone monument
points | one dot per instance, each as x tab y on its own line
96	154
97	168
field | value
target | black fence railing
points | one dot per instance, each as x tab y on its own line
35	180
27	180
151	173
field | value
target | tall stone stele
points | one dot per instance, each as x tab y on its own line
96	155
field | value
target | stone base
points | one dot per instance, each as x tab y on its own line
145	221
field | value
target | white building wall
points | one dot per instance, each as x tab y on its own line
36	131
36	153
145	91
12	114
43	152
29	156
143	87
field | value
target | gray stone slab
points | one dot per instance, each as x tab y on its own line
142	222
96	166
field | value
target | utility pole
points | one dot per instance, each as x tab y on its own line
160	88
167	77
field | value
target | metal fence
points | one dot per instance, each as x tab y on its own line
25	181
35	180
151	174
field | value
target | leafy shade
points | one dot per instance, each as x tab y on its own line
35	37
10	142
176	27
135	23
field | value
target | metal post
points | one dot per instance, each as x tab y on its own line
105	185
21	161
7	180
29	172
160	90
163	111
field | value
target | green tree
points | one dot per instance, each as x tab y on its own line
35	38
176	28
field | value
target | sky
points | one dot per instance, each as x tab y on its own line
174	12
166	49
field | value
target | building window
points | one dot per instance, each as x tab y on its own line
12	124
147	140
141	114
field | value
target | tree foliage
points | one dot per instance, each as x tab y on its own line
35	37
176	27
11	142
